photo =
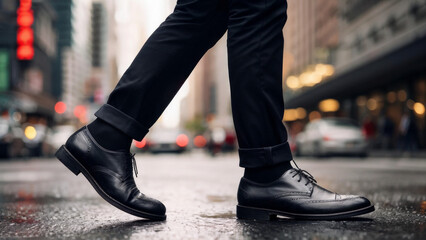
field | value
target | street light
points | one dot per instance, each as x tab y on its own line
329	105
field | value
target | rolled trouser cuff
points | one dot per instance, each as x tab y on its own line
122	121
266	156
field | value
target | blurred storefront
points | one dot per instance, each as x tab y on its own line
27	51
379	74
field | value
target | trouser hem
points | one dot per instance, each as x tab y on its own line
122	121
265	156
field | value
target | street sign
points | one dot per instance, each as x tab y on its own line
4	70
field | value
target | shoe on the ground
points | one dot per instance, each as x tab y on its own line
110	173
296	195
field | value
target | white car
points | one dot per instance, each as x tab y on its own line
331	136
167	140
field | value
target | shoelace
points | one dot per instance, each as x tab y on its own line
304	173
135	167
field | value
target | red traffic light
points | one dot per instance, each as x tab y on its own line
25	18
25	36
25	4
25	52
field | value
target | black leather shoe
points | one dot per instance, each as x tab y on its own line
296	195
110	173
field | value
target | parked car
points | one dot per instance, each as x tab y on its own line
221	140
167	140
11	143
35	140
331	136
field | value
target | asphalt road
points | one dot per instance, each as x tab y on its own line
40	198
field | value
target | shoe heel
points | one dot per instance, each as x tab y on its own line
68	160
254	214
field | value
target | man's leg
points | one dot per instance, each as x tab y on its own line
255	48
270	186
163	64
142	94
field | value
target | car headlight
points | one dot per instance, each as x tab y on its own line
30	132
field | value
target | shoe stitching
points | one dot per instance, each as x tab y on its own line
288	194
337	201
300	198
291	194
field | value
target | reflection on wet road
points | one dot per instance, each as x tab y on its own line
39	198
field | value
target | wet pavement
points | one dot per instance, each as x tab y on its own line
40	198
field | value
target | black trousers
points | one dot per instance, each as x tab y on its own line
255	55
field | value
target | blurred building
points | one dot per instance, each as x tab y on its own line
104	73
218	105
27	52
73	64
209	98
379	71
311	37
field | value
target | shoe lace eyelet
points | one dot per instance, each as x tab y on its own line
303	174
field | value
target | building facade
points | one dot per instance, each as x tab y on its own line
103	44
74	55
311	38
380	72
209	100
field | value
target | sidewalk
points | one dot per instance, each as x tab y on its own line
41	199
420	154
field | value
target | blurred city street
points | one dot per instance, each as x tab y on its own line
353	82
40	198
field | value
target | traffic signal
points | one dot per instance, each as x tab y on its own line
25	36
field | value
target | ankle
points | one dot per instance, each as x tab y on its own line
108	136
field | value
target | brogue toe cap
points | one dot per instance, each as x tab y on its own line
148	205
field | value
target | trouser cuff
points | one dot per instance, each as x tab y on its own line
122	121
266	156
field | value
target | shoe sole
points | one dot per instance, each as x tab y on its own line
76	167
261	214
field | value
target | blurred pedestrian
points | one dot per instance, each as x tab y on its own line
270	186
369	130
407	133
386	132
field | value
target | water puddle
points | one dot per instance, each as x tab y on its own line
217	198
225	215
